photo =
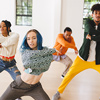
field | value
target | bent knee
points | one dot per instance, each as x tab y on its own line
16	71
71	62
3	98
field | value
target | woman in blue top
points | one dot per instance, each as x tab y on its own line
36	60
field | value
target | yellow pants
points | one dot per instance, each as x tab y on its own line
77	66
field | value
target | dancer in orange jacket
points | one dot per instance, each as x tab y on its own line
89	53
63	42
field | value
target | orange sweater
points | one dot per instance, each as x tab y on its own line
61	42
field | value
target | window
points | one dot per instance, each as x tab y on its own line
24	12
87	9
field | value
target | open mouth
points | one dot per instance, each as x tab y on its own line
31	44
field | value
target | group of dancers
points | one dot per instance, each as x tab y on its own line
37	58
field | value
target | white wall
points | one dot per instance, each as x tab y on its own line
44	20
57	19
7	12
72	16
50	17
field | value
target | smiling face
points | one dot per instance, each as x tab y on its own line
32	40
96	16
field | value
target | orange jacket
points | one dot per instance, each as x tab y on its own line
61	42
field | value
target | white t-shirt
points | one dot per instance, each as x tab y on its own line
92	51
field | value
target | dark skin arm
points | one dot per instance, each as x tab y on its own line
0	45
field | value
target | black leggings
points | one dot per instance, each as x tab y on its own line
19	88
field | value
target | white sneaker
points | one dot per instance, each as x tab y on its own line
56	96
62	76
18	99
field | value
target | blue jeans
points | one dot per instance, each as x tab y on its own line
10	67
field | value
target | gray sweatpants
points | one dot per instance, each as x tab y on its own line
19	88
67	62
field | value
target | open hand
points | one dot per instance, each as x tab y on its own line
76	51
88	37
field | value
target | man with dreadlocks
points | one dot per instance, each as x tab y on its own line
8	46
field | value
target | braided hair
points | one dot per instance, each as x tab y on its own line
8	25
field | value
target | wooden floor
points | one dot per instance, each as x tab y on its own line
84	86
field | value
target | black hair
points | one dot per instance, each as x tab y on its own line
8	25
95	7
68	29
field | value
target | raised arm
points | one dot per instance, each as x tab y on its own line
73	42
60	39
89	28
31	58
37	53
13	39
